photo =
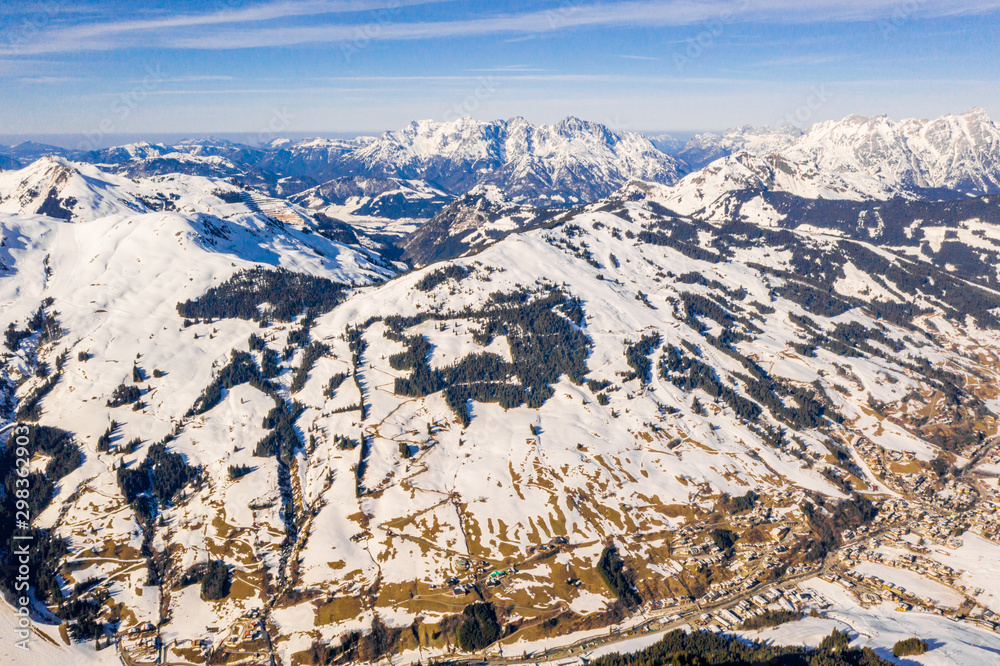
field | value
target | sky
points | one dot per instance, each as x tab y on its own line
101	68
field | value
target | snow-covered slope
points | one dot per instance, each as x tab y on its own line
714	191
59	188
471	222
607	376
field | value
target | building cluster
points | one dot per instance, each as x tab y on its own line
774	599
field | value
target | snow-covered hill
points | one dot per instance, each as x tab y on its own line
620	372
713	376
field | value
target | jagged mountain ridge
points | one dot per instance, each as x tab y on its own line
568	162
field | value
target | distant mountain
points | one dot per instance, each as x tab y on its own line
475	220
561	164
666	143
855	159
360	196
954	152
704	149
26	152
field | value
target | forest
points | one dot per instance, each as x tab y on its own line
702	648
617	577
286	295
545	339
47	549
155	482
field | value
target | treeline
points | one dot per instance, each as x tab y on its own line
286	294
30	408
124	394
771	618
313	353
740	503
909	647
637	357
241	369
215	581
703	648
41	321
683	237
828	522
479	628
30	495
335	381
442	275
282	440
689	373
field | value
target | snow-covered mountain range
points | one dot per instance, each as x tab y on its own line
595	396
572	161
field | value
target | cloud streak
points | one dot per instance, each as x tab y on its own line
260	26
161	31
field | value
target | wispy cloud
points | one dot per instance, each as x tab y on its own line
640	12
637	57
261	25
105	35
198	77
509	68
45	80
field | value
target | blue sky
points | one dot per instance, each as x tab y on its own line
325	66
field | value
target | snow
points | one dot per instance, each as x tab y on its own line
511	480
913	583
880	627
46	646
